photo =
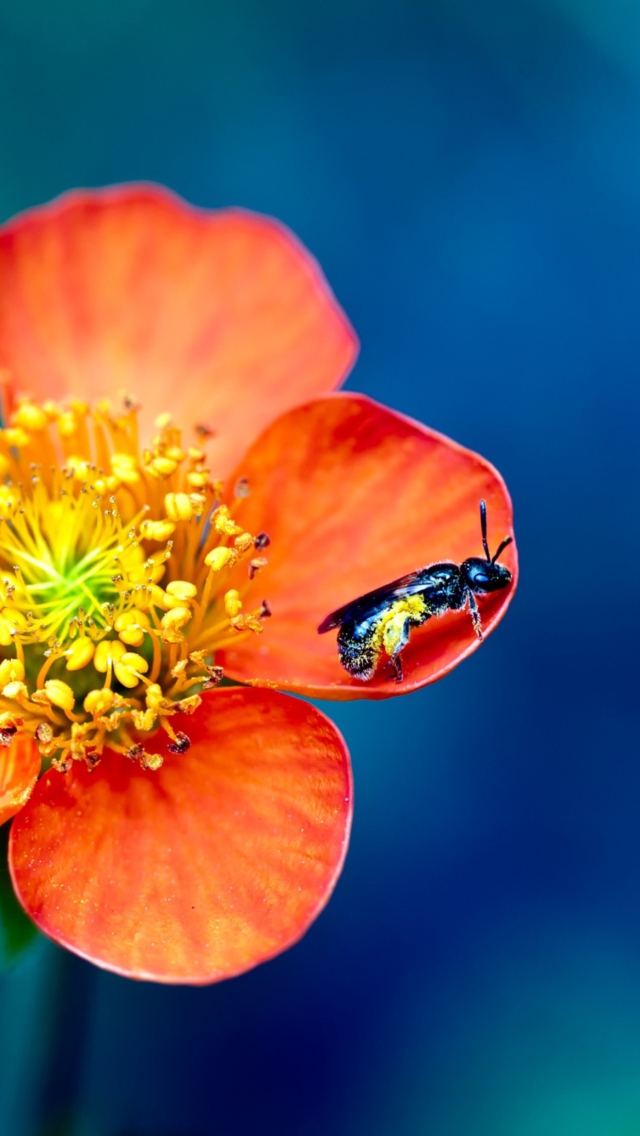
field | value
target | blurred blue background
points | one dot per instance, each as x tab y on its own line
468	174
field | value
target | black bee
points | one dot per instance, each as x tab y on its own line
382	619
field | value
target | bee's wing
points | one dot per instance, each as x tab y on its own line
363	606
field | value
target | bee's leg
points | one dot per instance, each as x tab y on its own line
395	637
475	614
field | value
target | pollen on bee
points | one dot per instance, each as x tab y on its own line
360	645
112	625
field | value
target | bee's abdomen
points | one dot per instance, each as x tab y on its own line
359	648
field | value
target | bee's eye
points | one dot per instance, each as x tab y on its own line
479	574
483	576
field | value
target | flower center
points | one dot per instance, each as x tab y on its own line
116	581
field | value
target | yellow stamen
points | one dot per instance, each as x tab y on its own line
79	654
129	668
178	506
114	581
11	670
182	589
98	702
220	558
132	626
59	694
108	652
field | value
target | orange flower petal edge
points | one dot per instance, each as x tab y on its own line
222	319
200	870
352	496
19	768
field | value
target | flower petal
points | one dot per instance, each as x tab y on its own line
354	496
201	870
223	319
19	769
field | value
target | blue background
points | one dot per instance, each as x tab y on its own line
468	174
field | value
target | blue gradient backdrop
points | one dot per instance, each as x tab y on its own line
468	174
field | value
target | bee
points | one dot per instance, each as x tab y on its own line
383	619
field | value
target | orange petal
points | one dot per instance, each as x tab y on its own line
353	496
19	769
201	870
222	319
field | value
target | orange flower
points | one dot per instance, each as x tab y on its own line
184	833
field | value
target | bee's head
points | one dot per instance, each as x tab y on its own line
486	575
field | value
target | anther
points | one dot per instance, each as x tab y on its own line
223	524
152	761
131	627
220	558
156	530
79	654
108	652
182	589
129	668
216	675
244	542
161	467
59	694
178	507
11	670
255	565
173	620
198	479
99	702
180	745
232	603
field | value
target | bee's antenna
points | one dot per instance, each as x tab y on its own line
502	547
483	528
